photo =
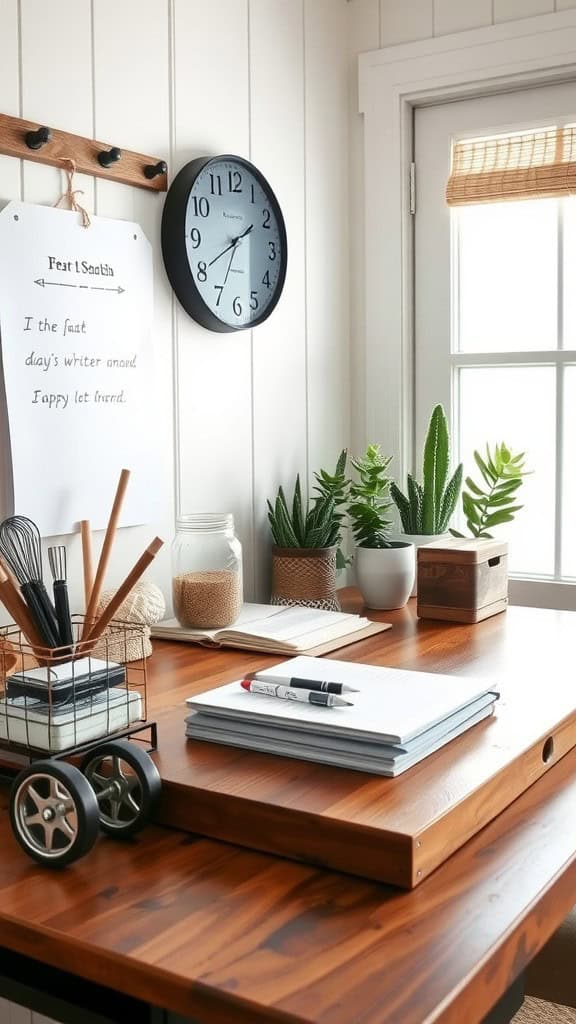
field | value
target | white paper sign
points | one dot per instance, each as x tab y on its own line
76	310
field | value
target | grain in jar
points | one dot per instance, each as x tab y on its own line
206	571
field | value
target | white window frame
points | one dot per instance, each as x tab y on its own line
392	82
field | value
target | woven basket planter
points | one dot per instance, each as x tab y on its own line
305	576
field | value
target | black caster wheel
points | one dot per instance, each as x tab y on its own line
54	813
127	786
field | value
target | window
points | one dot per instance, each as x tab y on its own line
495	323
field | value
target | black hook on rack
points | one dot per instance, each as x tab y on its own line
153	170
39	138
108	157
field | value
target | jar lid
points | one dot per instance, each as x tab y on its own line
205	521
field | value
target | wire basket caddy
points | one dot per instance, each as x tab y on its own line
81	702
57	702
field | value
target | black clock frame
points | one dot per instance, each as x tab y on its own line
174	251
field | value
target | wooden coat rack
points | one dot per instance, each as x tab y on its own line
29	141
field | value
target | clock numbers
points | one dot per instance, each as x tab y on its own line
271	250
266	219
201	206
201	275
196	238
253	300
237	306
252	197
234	181
219	288
215	185
266	279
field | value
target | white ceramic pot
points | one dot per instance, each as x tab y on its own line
385	576
419	540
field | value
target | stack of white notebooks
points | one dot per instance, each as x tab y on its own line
395	718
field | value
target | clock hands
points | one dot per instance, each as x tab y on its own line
232	255
232	245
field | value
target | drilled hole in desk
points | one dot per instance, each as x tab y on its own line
548	750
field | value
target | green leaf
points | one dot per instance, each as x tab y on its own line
297	516
450	499
470	510
435	468
497	518
474	487
489	477
403	506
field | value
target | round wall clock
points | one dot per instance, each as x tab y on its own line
224	243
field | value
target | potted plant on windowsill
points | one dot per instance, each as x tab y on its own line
427	508
384	568
306	554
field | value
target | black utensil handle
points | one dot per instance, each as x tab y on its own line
47	606
42	621
63	612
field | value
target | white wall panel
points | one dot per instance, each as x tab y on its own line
363	34
279	344
562	5
327	230
508	10
211	85
405	22
132	110
9	92
56	85
460	15
10	180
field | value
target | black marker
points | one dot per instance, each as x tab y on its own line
323	686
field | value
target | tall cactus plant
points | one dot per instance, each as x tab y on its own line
427	508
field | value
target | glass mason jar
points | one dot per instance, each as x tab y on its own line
206	571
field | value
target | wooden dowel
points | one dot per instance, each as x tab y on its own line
14	603
87	560
124	589
105	553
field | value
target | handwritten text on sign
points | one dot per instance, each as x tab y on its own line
75	325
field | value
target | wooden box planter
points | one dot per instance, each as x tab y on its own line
462	580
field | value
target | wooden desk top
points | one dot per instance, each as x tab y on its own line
389	830
235	937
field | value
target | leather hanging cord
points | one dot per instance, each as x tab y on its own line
70	194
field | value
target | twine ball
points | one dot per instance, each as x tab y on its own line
144	605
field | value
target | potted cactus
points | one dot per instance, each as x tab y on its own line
384	567
307	554
427	508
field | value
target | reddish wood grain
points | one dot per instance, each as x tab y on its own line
230	936
392	830
84	152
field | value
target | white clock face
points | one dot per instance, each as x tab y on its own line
234	243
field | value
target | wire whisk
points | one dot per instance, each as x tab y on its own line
57	562
21	547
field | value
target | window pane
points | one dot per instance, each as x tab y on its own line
569	475
506	276
516	404
569	219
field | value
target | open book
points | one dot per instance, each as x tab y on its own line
278	629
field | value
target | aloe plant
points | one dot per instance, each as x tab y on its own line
369	504
318	524
427	508
503	474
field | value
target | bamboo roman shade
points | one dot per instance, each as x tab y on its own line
531	165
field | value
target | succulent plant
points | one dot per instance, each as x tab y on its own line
427	508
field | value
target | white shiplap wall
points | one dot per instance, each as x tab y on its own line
377	24
267	79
